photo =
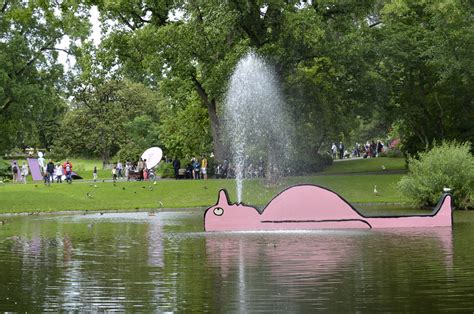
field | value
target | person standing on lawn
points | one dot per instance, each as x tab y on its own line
50	168
176	166
24	173
204	167
67	166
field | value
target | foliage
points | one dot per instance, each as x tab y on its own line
5	168
185	130
424	53
165	170
112	114
391	153
301	164
448	165
31	101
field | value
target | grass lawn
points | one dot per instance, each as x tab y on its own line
366	165
35	197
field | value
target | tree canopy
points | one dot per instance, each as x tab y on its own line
404	65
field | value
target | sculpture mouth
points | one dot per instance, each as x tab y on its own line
317	221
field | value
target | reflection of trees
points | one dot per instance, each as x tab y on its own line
331	271
102	264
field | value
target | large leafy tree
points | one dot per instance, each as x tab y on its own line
194	46
30	77
106	117
424	52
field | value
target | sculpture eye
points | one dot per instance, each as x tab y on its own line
218	211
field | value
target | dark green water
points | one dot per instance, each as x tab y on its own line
136	262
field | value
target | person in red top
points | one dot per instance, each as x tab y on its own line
68	171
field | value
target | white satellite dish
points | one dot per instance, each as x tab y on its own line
153	156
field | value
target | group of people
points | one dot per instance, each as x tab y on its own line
138	171
196	169
58	172
19	174
50	171
367	150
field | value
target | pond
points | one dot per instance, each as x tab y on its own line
165	262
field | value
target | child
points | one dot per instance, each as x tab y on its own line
24	172
59	173
114	173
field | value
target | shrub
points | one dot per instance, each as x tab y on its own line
5	168
447	165
165	170
391	153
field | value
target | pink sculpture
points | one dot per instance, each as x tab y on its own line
309	207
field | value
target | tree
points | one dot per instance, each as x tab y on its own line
424	52
102	117
198	51
30	77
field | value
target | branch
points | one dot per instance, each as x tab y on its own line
69	52
37	55
4	6
124	20
200	89
8	101
375	24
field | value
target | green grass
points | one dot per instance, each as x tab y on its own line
179	194
366	165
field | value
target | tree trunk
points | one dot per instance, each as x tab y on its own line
220	151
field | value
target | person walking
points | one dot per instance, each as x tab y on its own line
341	150
334	151
196	168
176	166
24	172
114	174
94	174
225	169
50	168
67	166
59	173
119	170
14	172
140	167
204	167
128	167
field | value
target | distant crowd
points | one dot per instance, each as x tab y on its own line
51	172
368	150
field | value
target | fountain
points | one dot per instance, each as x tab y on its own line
256	123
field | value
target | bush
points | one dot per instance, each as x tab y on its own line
165	170
391	153
448	165
5	169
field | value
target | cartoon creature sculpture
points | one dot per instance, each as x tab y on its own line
309	207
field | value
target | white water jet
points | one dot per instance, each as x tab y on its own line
256	122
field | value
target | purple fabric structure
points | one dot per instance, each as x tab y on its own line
18	174
35	169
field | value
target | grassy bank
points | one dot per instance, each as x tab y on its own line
179	194
382	164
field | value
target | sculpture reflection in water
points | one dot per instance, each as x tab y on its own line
296	262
